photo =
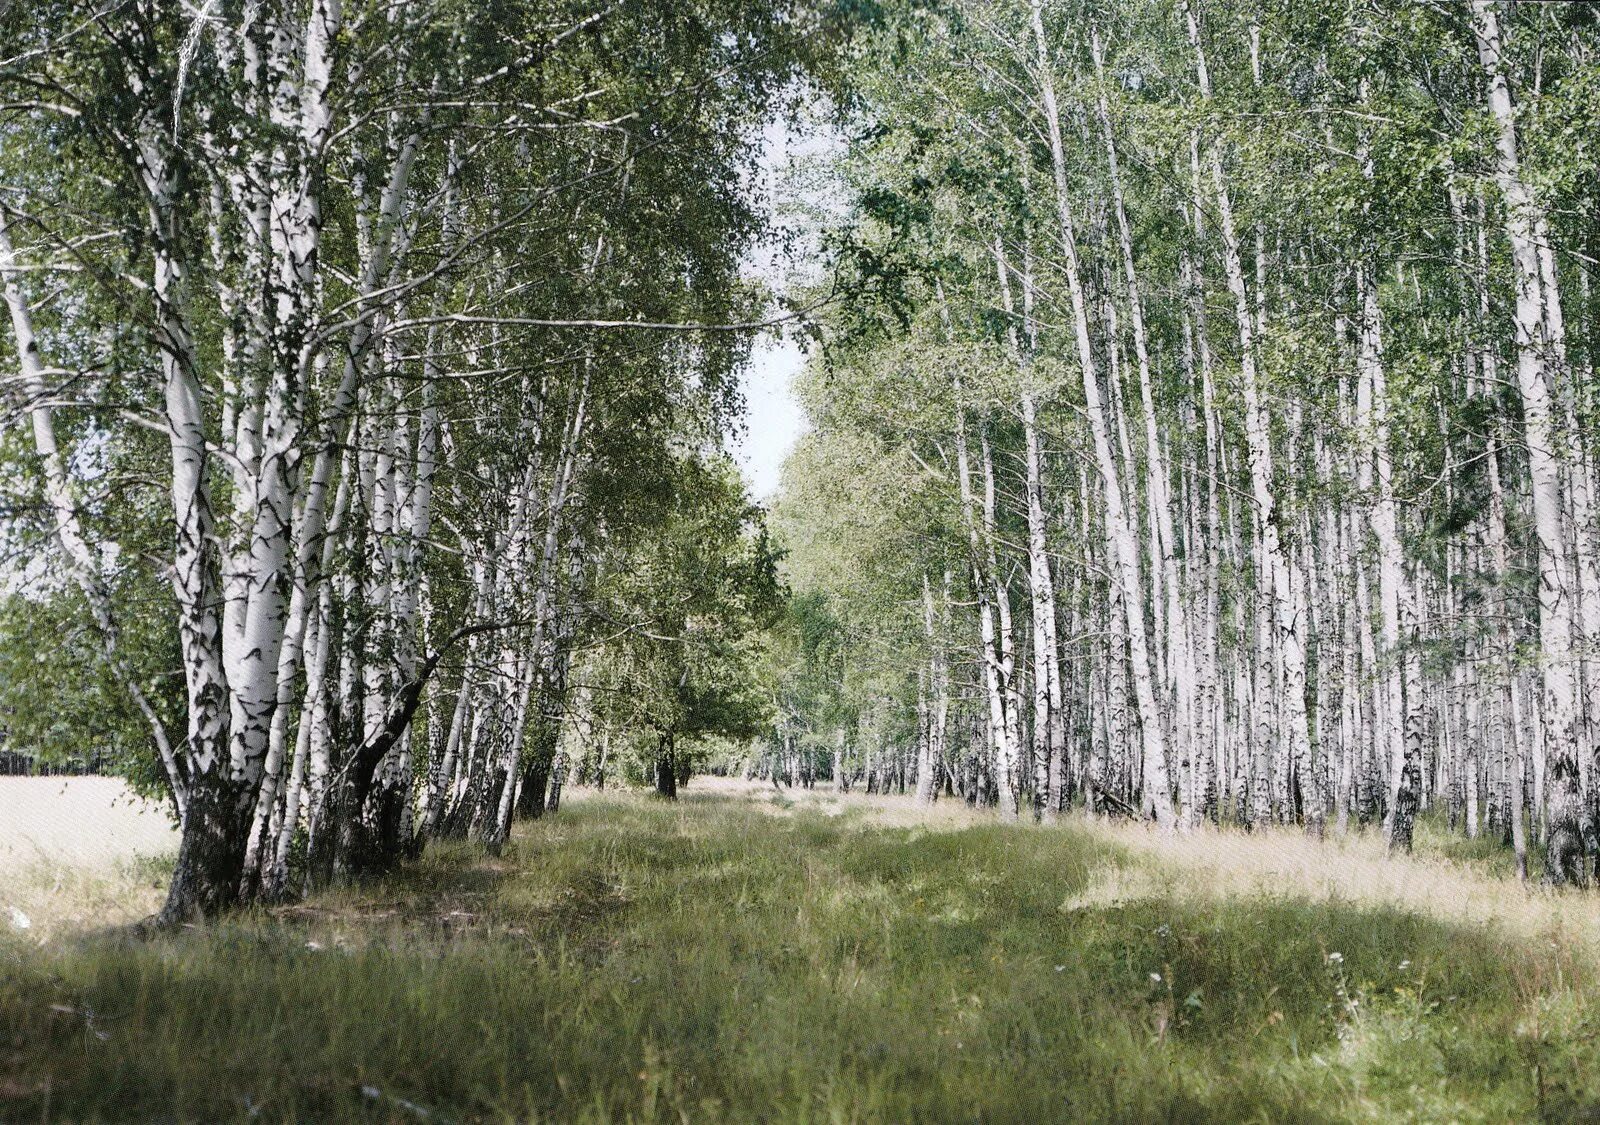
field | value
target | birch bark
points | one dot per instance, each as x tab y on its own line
68	529
1561	708
1126	550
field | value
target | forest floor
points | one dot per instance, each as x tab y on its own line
754	955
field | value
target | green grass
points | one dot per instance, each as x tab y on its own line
1487	852
629	961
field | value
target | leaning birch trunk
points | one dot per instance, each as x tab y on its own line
314	558
994	690
1048	712
1560	701
929	750
1007	635
1212	687
1125	549
205	877
263	633
68	529
1349	694
1157	478
1048	743
446	778
1376	481
1057	776
1585	567
1289	637
275	881
1506	647
560	492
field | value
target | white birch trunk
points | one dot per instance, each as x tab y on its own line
68	529
1290	630
1126	550
1560	700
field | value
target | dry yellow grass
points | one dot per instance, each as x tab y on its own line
1354	869
889	811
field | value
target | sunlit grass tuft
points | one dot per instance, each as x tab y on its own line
1469	884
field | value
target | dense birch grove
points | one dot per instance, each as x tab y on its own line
1201	403
1221	443
369	370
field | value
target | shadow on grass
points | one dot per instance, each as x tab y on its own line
633	960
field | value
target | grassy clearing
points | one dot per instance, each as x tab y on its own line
714	961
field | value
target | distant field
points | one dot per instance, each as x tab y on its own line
77	822
750	955
78	852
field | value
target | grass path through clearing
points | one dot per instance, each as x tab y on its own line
745	956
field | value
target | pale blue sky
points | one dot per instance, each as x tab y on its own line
773	418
